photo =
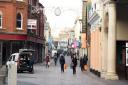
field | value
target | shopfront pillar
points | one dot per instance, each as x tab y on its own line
104	43
111	58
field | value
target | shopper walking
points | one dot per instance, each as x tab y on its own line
62	62
74	64
85	60
47	59
81	64
55	58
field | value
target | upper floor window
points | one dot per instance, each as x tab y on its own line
34	2
1	20
30	2
19	0
19	21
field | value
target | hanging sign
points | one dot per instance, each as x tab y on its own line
32	24
57	11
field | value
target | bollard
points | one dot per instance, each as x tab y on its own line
1	79
12	73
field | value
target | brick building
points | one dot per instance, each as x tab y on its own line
35	38
14	32
13	27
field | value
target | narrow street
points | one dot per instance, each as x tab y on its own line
53	76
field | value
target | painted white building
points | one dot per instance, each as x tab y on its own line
77	28
108	20
47	35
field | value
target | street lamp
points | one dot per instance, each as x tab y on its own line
59	10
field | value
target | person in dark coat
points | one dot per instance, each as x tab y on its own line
31	62
74	64
62	62
85	60
55	58
58	55
81	64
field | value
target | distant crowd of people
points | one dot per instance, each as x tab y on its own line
74	59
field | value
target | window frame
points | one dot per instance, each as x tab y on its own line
21	21
19	0
126	56
1	19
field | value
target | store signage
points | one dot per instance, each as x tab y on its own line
32	24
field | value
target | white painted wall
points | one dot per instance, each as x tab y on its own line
77	29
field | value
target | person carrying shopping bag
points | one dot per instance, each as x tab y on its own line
62	62
47	61
74	64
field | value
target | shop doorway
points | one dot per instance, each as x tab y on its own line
121	67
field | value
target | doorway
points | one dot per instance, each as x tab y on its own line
121	68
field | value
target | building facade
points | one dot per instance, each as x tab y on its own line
35	32
84	28
15	34
77	36
63	40
47	35
13	27
108	20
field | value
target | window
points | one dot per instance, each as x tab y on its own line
30	2
0	20
19	0
34	2
19	21
126	56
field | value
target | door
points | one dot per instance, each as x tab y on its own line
0	53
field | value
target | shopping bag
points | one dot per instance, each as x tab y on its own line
85	67
65	66
48	63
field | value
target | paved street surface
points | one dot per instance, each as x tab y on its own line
53	76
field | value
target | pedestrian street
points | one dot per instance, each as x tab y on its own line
53	76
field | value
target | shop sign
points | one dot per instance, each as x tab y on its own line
32	24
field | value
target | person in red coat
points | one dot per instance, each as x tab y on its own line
47	61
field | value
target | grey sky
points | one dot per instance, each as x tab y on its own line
70	9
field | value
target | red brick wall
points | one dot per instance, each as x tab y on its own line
9	16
